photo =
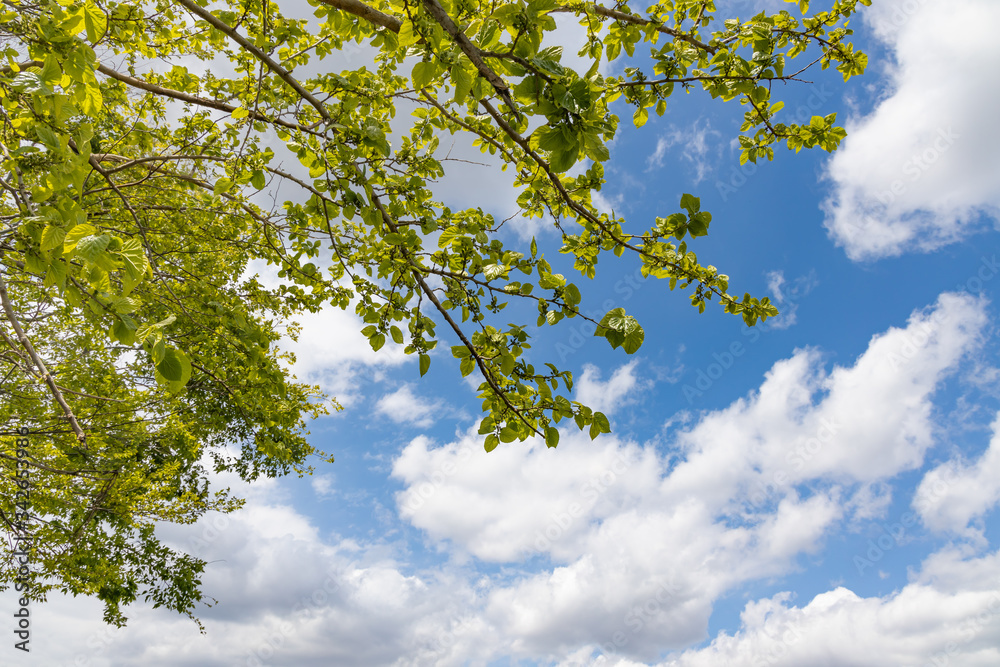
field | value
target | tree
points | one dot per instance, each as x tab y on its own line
134	344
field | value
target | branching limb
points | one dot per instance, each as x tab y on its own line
22	337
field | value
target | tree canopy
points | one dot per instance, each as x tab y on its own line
136	345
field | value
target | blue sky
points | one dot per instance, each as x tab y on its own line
820	490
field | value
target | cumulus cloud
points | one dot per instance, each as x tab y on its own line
286	595
606	550
608	396
757	485
404	407
859	424
956	493
918	171
519	491
332	352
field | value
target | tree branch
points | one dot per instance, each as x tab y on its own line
194	99
369	14
37	360
638	20
439	14
272	65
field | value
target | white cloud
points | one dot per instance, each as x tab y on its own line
286	594
859	424
944	617
786	296
622	526
519	491
607	546
608	396
694	143
332	352
919	171
322	485
954	494
403	407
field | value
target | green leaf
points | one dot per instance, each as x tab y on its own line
698	224
562	159
633	339
640	116
425	364
94	21
52	237
134	262
124	331
51	76
602	422
174	370
621	330
145	332
170	366
690	203
551	436
572	294
423	73
74	235
463	81
507	363
448	235
491	442
90	248
494	271
408	35
397	335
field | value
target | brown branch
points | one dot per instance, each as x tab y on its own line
417	270
272	65
583	212
638	20
369	14
37	360
92	510
194	99
471	51
711	77
458	121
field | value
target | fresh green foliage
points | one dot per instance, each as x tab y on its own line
134	344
